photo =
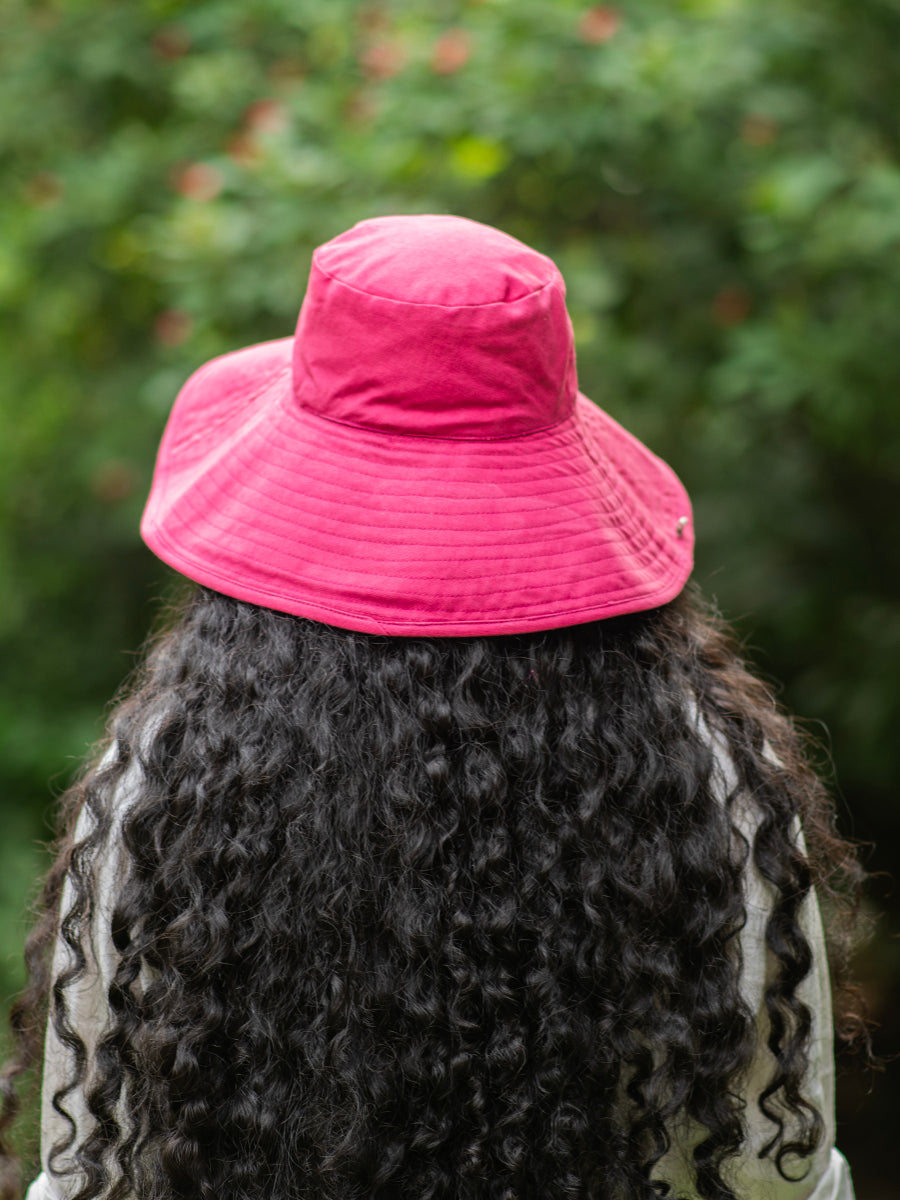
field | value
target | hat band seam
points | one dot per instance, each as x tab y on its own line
428	437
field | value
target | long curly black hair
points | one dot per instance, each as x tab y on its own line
434	919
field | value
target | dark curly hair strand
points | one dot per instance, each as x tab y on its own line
449	919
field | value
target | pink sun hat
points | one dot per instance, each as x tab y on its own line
417	459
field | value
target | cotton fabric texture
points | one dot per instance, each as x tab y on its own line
828	1177
418	459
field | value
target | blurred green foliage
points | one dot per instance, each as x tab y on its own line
718	180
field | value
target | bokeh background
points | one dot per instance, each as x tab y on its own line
719	181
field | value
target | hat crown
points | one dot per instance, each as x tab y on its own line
434	326
440	260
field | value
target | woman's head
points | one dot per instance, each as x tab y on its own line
429	826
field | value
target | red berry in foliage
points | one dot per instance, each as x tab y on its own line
451	52
382	59
599	24
198	181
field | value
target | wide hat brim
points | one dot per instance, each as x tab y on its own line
268	502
